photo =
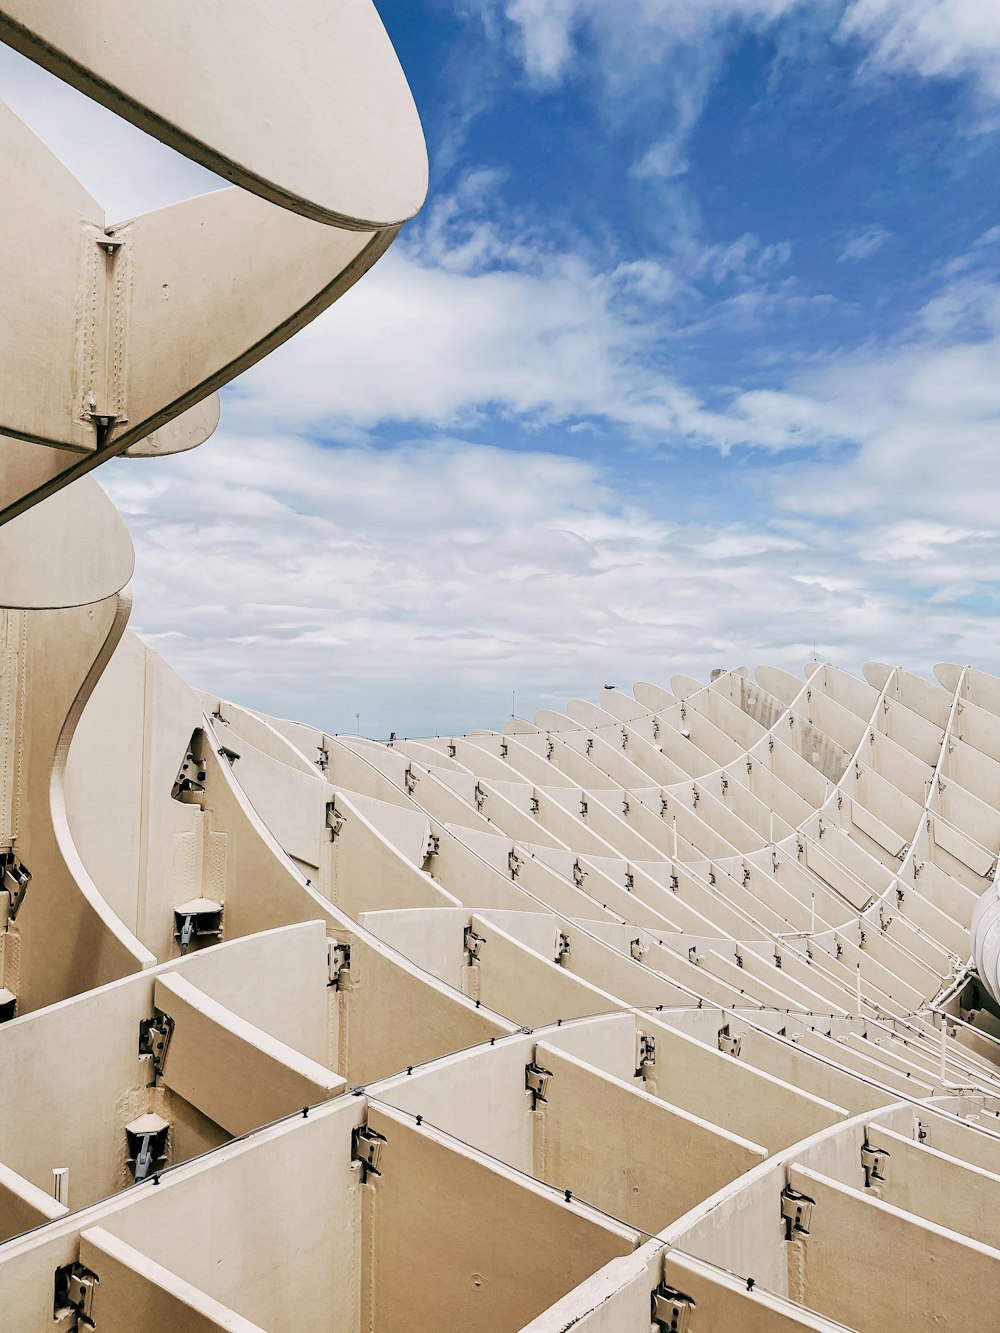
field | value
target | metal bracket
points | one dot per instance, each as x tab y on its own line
479	796
796	1211
873	1162
534	805
584	807
154	1038
14	880
514	864
562	947
102	421
190	777
729	1044
645	1053
199	919
334	820
473	943
323	758
432	846
73	1294
338	961
536	1081
637	949
366	1148
671	1310
147	1145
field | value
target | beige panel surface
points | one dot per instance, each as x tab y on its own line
71	549
232	1072
137	1293
631	1154
936	1280
475	1268
325	125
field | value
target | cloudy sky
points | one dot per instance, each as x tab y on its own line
690	361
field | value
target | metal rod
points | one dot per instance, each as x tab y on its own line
60	1184
944	1054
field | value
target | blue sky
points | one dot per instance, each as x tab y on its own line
690	361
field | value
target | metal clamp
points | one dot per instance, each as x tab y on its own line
366	1148
473	943
154	1038
671	1310
14	880
338	961
74	1290
645	1053
873	1163
190	777
536	1081
797	1211
334	820
730	1044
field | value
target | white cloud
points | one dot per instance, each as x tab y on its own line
548	30
930	38
864	243
933	38
667	54
420	585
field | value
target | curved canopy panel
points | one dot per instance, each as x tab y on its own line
876	674
304	104
113	332
71	550
185	432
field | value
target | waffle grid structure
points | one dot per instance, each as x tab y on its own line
659	1009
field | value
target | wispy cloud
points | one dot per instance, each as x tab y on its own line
418	585
864	243
932	38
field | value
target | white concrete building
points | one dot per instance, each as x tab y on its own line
674	1011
